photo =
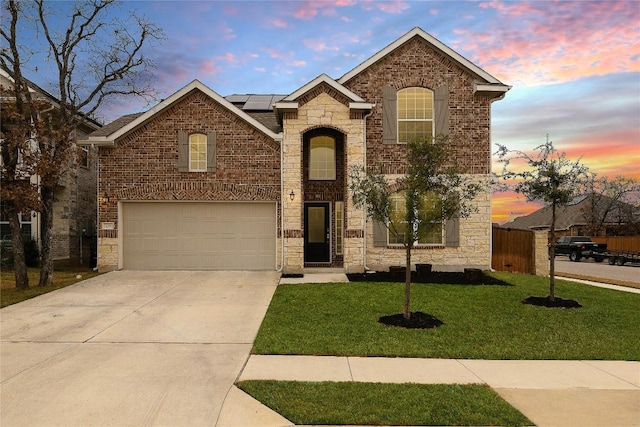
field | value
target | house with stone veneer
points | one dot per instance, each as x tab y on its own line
203	181
74	207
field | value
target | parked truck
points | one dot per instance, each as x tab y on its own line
578	247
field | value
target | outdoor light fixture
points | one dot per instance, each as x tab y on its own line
292	195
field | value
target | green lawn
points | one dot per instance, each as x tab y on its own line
335	403
62	277
480	322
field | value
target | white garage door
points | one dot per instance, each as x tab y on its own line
199	236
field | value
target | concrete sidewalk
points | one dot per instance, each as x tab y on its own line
549	392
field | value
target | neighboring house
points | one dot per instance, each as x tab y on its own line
74	208
575	218
261	181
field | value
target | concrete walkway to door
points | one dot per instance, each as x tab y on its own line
130	348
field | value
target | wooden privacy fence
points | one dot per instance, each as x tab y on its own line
513	251
620	243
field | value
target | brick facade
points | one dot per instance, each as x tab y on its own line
418	64
144	164
254	164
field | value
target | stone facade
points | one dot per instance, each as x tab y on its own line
74	210
541	253
322	109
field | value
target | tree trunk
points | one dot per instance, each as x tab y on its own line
552	258
46	233
407	286
19	262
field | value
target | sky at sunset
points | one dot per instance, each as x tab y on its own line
574	65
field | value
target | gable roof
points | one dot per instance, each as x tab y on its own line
290	102
574	214
491	84
40	93
126	124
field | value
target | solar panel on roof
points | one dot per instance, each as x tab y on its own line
258	102
236	99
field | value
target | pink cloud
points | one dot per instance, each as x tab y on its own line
560	44
228	57
279	23
287	57
209	67
309	9
318	45
393	7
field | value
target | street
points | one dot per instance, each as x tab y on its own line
589	268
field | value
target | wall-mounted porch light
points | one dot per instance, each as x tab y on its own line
292	195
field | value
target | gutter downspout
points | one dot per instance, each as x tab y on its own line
282	198
499	98
364	213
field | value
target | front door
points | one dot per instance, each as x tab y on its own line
317	235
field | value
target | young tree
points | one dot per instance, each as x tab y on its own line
417	204
96	57
610	200
550	177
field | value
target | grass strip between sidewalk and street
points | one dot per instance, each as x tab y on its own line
352	403
480	321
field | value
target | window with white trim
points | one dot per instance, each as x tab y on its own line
415	114
197	152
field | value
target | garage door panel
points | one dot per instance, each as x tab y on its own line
199	236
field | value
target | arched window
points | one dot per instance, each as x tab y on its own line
197	152
322	158
415	114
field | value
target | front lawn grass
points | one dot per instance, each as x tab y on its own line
62	277
480	322
347	403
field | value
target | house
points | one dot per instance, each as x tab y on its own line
203	181
74	221
577	218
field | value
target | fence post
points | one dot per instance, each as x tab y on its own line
541	253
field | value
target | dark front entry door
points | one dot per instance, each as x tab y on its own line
317	237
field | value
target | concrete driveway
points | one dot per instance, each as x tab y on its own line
130	348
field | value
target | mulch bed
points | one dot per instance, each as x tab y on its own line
418	320
440	277
556	303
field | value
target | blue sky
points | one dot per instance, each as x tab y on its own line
574	65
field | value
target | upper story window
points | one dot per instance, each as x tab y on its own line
84	157
197	152
322	158
415	114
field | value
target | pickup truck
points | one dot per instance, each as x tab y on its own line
578	247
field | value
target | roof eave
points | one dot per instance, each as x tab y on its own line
323	78
495	90
97	142
195	84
